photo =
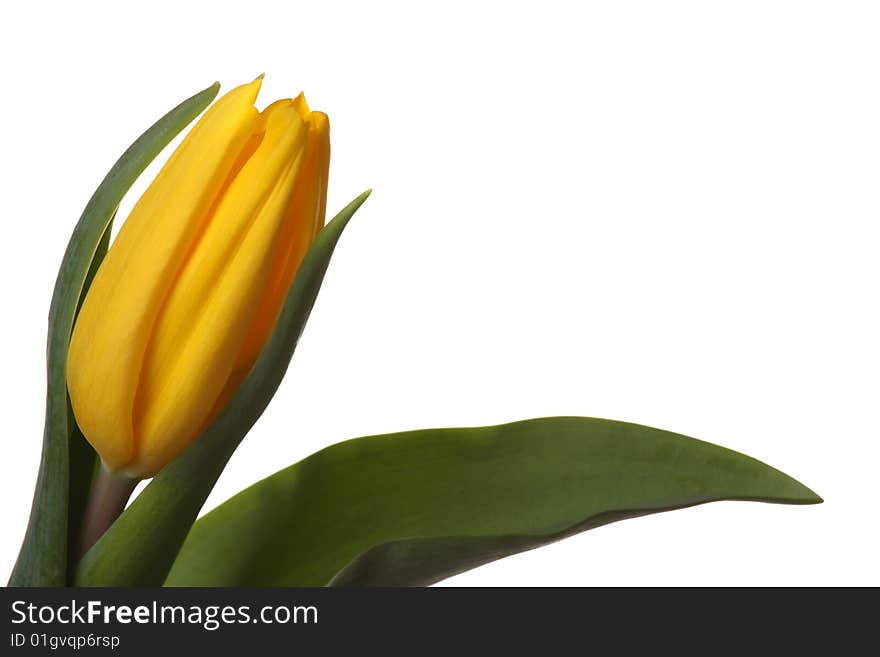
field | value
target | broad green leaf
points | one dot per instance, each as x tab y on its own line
413	508
42	560
141	545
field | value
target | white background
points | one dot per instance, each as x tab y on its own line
657	212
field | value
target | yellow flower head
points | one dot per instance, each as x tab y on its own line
190	290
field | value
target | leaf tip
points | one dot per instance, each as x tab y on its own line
801	494
814	498
353	207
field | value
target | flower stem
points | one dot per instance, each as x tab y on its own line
107	500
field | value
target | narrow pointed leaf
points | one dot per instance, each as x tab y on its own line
83	458
43	558
416	507
141	545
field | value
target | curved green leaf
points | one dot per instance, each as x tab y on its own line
42	560
141	545
83	460
416	507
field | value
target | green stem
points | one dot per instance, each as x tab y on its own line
106	503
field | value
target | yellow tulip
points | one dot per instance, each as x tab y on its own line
190	289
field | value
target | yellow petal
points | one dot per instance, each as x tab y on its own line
301	106
207	314
304	218
120	309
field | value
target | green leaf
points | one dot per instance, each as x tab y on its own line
42	560
83	459
413	508
141	545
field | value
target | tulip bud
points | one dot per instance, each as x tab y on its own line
189	291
